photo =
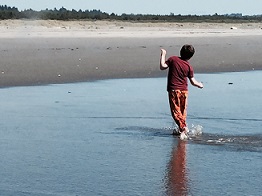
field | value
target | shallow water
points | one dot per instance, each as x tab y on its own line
113	137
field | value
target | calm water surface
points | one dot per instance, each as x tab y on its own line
113	138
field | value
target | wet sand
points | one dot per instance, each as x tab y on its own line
47	52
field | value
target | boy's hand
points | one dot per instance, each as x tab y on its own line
163	51
194	82
163	64
200	85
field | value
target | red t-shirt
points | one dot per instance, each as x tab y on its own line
179	71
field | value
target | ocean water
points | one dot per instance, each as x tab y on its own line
113	137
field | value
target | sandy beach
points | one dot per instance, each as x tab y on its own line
45	52
113	137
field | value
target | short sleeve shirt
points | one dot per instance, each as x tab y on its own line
179	71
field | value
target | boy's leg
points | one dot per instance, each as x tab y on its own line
183	106
178	106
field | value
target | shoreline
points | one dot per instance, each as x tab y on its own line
79	51
47	83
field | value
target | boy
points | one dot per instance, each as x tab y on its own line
177	87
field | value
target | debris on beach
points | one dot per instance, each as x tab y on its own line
234	28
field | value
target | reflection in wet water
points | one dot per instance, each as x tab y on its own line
179	177
177	172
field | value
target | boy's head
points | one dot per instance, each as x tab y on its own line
187	51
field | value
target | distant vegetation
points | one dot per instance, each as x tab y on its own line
7	12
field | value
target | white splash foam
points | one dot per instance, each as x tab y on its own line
195	130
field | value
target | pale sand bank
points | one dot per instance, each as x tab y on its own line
52	28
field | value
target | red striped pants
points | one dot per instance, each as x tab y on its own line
178	107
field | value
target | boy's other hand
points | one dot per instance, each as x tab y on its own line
201	85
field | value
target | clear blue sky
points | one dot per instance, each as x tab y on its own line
199	7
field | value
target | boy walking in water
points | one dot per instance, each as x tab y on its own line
177	87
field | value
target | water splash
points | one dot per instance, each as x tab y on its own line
252	143
197	136
195	130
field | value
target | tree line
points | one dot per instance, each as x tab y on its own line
7	12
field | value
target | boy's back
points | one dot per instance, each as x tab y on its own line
179	71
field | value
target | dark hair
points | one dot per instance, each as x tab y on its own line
187	51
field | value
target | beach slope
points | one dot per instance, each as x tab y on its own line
37	52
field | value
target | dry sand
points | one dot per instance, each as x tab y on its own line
44	52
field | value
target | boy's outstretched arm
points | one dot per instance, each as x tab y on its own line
163	64
194	82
